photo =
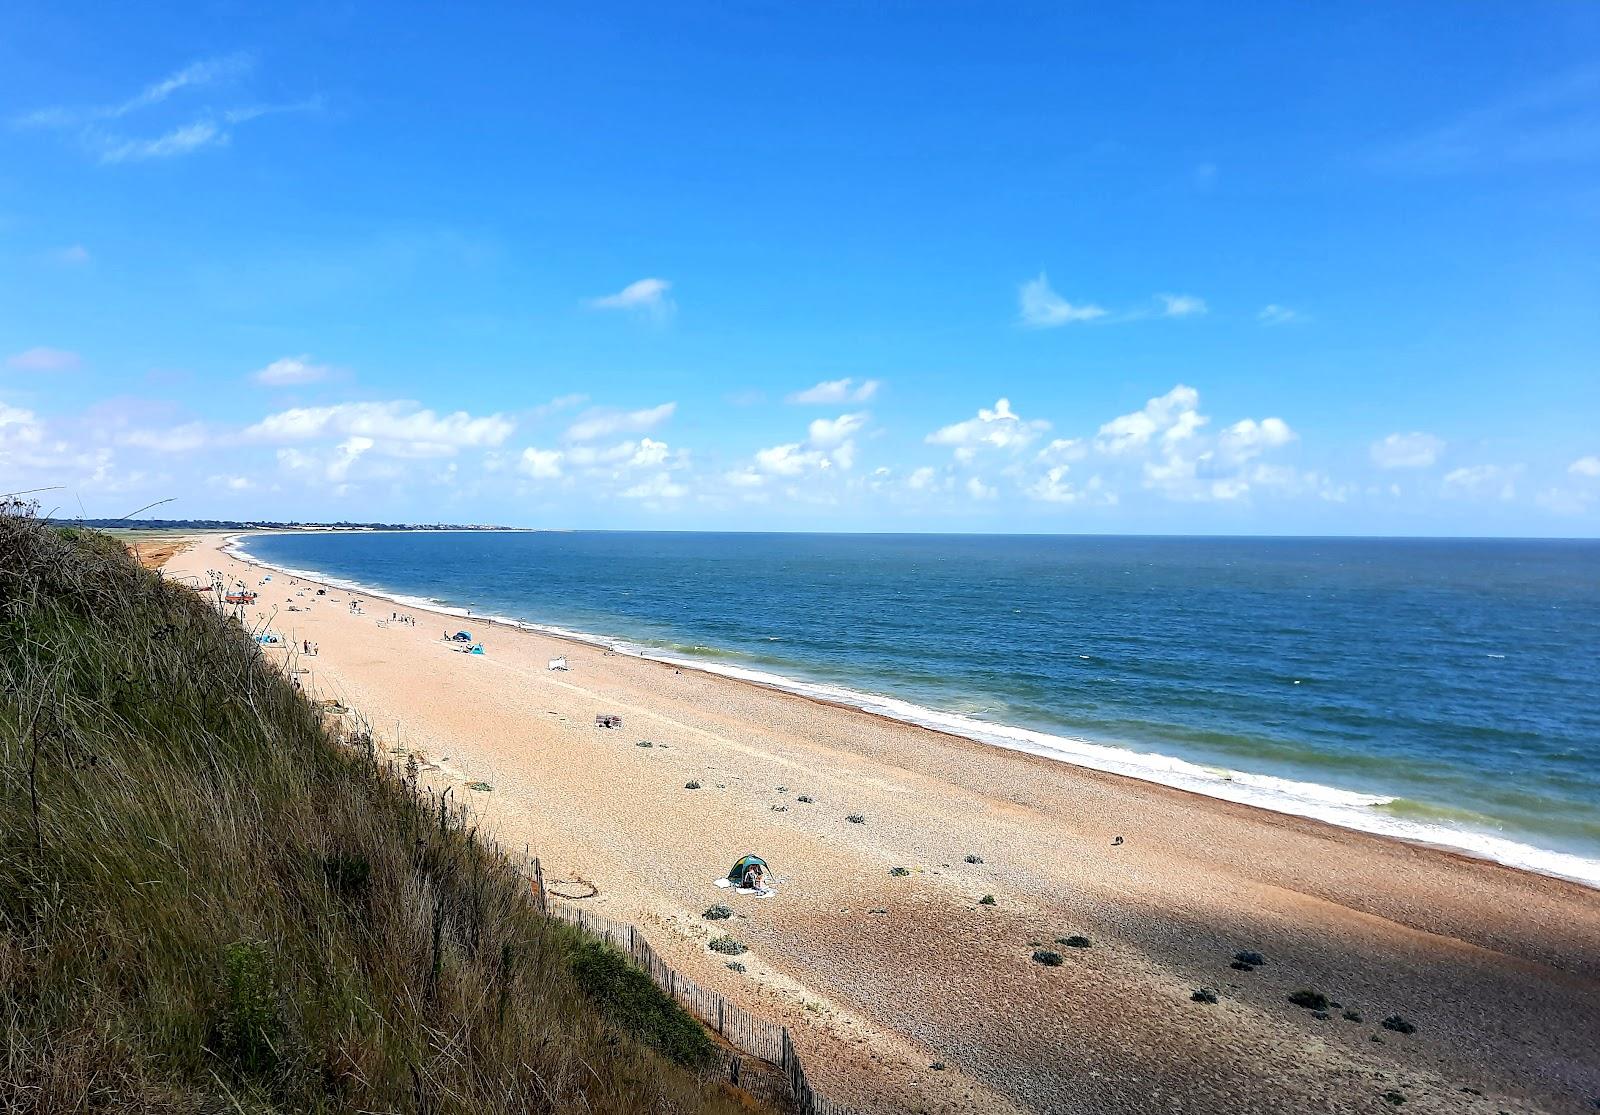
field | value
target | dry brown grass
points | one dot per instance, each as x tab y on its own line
210	904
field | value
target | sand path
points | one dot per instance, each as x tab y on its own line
881	976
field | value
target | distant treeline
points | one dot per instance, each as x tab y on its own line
261	524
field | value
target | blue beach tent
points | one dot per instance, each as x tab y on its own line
462	636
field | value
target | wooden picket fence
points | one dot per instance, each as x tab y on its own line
746	1032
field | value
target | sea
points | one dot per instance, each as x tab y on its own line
1443	691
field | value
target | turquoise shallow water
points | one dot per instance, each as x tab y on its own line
1445	690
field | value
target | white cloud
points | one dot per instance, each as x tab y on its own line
19	427
646	297
1247	438
1585	466
232	483
1274	314
174	439
290	370
1063	450
661	486
922	479
1413	450
1054	487
605	421
207	71
1482	482
836	391
1181	305
833	431
791	459
541	464
42	359
996	428
1042	308
1172	415
211	127
977	489
179	141
399	428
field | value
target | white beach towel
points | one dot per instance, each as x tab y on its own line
746	891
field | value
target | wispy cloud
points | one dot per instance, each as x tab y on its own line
99	128
1556	120
605	421
42	359
1181	305
289	371
1041	307
204	72
1413	450
1274	314
834	391
645	297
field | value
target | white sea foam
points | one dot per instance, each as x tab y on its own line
1346	808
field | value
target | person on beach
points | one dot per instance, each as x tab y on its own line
755	878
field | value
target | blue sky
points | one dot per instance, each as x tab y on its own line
1027	267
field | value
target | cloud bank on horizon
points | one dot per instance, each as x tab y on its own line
275	279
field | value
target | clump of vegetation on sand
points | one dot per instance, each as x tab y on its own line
986	900
1311	1000
900	872
1048	958
856	819
211	903
719	912
1398	1025
1205	995
727	946
1074	942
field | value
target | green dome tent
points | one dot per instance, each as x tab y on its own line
737	871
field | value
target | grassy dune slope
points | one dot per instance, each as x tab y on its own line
209	904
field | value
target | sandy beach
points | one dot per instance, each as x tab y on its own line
882	977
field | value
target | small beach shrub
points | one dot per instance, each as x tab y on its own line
1047	958
1398	1025
644	743
347	874
780	809
1241	966
804	799
250	1027
481	787
727	946
1247	956
1352	1016
1074	942
899	872
1205	995
856	819
691	785
719	912
1394	1097
735	966
937	1066
1311	1000
974	859
986	900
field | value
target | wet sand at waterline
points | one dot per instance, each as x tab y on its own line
881	977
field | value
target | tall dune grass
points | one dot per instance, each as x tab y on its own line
209	902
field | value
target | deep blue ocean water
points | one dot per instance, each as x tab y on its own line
1446	690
